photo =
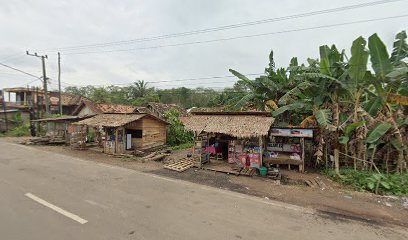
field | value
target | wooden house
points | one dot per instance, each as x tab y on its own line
246	139
127	132
232	137
58	130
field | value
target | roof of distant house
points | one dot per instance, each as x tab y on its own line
101	108
60	119
162	108
71	100
114	120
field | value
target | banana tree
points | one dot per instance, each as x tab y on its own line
391	75
319	92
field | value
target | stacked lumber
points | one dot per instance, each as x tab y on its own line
181	165
316	183
155	156
44	140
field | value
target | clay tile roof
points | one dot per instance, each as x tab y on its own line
68	100
110	108
162	108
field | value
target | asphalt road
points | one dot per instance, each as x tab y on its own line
45	195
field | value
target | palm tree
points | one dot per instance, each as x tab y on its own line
139	89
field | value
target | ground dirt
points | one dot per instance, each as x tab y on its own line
334	201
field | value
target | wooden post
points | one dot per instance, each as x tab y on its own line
116	140
59	84
106	138
261	151
302	145
124	139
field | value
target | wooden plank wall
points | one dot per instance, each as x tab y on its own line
154	133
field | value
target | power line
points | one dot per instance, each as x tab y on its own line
242	37
195	79
18	70
173	80
227	27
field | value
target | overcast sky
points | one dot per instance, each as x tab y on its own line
43	26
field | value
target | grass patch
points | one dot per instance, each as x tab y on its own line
378	183
20	131
182	146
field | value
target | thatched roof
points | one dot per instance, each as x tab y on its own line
110	120
253	113
114	120
240	126
59	119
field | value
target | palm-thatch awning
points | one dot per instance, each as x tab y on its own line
240	126
110	120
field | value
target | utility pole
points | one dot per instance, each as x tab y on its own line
37	101
4	110
59	83
43	57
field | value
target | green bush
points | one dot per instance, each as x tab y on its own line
177	134
393	184
20	131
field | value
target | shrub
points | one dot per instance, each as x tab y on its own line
20	131
182	146
393	184
177	134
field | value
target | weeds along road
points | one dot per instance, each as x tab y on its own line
45	195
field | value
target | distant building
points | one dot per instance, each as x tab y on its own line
32	98
122	133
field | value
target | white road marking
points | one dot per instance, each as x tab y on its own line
57	209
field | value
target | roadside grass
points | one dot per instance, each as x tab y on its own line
181	146
20	131
378	183
130	158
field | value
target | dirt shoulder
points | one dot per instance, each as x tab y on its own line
334	201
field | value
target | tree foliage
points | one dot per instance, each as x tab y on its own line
177	135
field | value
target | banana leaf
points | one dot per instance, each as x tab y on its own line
378	132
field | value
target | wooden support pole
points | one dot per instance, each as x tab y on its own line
302	145
261	151
116	140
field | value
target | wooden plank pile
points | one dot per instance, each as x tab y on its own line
247	172
316	183
181	165
155	156
44	140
